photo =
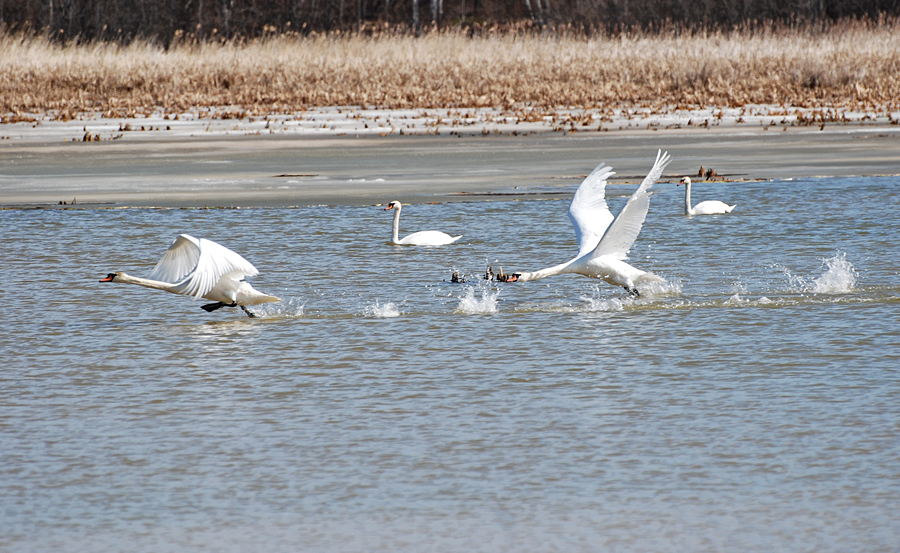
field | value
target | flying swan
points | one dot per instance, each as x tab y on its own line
604	241
709	207
423	238
202	269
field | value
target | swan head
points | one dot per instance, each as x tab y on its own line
111	277
393	205
685	181
512	278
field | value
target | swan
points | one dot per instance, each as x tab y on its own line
423	238
709	207
604	241
202	269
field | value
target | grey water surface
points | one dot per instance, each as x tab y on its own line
750	404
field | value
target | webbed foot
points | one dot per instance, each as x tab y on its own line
210	307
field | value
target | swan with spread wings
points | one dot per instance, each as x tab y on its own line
202	268
604	241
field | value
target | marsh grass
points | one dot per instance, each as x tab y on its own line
854	65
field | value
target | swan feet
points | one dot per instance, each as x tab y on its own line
210	307
632	291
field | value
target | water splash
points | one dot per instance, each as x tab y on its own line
660	288
840	277
487	303
597	303
385	311
290	309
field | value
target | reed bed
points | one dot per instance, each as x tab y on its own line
852	65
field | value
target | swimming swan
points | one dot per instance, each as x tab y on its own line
423	238
202	269
709	207
603	242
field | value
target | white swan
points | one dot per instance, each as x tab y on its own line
709	207
202	269
423	238
603	242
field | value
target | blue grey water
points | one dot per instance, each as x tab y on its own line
752	404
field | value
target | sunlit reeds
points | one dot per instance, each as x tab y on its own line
852	64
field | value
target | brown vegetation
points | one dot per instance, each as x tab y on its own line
851	65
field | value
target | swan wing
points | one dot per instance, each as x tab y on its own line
209	262
429	238
589	213
178	261
624	230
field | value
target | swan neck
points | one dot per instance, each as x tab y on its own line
145	282
395	231
688	210
544	273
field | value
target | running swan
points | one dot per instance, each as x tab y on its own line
709	207
603	242
202	269
423	238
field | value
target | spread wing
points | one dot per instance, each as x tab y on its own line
197	265
624	230
178	261
588	212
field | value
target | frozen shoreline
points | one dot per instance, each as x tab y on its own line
319	122
354	156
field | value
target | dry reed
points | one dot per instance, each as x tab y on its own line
851	65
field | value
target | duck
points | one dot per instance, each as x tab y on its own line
604	240
201	268
709	207
422	238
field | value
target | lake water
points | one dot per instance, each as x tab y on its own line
753	404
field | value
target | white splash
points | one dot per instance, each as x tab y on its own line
839	277
661	288
597	303
385	311
290	309
473	305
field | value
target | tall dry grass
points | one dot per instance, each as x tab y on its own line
851	64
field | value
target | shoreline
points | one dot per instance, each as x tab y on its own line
354	120
348	156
